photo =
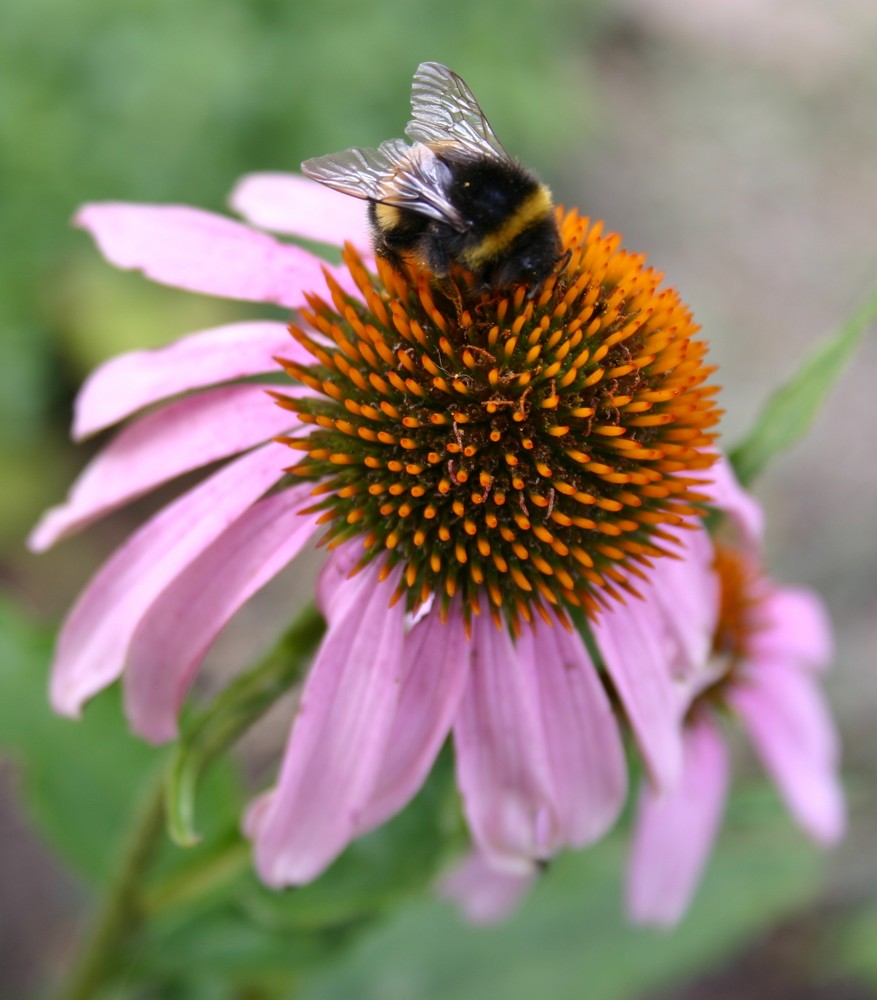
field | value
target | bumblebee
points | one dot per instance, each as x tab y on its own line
455	196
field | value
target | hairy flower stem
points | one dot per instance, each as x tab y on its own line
209	733
120	914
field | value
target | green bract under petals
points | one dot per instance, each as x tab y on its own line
526	452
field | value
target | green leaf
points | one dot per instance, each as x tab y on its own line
217	727
79	777
790	411
854	951
233	930
570	938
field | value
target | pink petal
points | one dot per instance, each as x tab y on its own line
686	592
290	203
202	252
182	436
503	767
94	639
436	659
796	628
674	832
485	894
338	740
333	594
175	633
639	658
730	497
132	381
788	721
586	755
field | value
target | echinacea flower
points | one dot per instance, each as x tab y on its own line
769	649
755	650
480	464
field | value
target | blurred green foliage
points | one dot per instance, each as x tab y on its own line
172	100
367	928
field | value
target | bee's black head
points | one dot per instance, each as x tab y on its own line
531	258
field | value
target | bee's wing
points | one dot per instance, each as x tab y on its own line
394	174
447	115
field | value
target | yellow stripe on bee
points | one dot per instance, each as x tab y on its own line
532	210
388	216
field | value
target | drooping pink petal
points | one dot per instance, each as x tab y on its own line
586	756
203	252
333	594
338	740
298	206
129	382
638	657
485	895
794	627
436	663
730	497
172	639
686	590
182	436
503	767
94	639
788	721
674	831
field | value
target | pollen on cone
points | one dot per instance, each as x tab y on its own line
528	448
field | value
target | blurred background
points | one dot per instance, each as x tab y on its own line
734	141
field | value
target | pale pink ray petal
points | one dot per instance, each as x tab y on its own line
674	831
687	592
298	206
338	740
638	658
788	721
333	596
436	657
203	252
182	436
484	894
586	755
729	496
794	627
129	382
503	768
172	639
94	639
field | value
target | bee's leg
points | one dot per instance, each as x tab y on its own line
390	255
562	263
435	254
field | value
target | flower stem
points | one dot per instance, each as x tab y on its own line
120	914
171	793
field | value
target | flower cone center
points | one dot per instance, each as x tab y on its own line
524	450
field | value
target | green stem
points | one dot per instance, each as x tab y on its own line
126	905
120	913
212	730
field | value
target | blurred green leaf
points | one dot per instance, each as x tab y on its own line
238	932
855	951
790	411
79	778
570	939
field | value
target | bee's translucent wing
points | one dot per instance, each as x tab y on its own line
447	115
394	174
358	172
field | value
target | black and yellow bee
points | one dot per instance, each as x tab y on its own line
455	196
